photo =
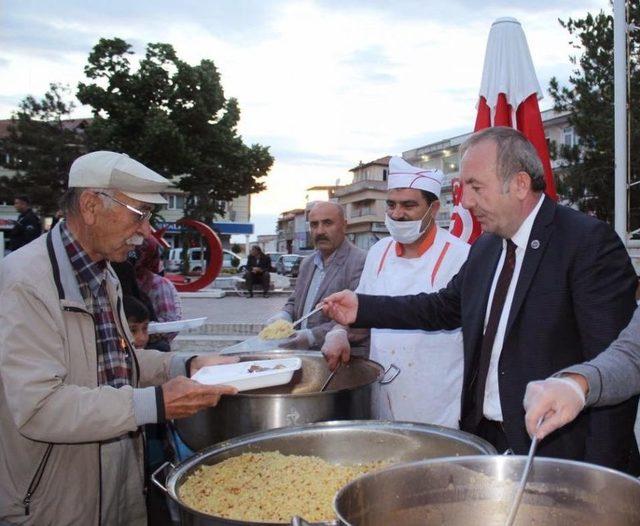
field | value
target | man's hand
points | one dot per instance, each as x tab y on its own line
204	360
184	397
299	340
558	400
336	347
341	306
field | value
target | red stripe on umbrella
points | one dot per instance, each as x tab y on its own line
508	80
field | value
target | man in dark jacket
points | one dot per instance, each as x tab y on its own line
258	267
27	227
543	288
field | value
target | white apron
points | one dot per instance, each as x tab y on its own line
429	387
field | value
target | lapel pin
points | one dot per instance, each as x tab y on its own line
535	244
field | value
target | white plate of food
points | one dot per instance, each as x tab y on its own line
175	326
254	374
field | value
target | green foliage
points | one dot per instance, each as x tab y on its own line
589	170
236	248
41	148
174	118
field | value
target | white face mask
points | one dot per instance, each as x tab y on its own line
406	232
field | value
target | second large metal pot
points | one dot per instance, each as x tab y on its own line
336	442
479	490
348	397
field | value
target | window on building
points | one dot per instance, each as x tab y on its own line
450	164
568	137
385	173
175	202
363	208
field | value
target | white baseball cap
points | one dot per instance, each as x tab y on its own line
120	172
404	175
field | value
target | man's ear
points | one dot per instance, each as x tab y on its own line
90	204
523	184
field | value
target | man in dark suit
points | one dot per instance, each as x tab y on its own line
544	287
258	267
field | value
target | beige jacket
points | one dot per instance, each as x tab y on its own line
53	415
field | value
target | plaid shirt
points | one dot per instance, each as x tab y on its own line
114	362
163	296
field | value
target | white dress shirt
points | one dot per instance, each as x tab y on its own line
492	409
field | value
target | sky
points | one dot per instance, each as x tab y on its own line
324	83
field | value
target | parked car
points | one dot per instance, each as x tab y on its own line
289	264
274	258
196	260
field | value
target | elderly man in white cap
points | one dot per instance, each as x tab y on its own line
418	257
74	392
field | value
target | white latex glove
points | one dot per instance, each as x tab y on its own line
558	400
303	339
280	315
336	347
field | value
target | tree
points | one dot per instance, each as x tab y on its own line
589	171
174	118
41	148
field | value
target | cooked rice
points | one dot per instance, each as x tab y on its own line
277	330
269	487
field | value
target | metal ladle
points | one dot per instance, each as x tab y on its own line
515	505
328	381
308	315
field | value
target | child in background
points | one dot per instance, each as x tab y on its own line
138	319
158	446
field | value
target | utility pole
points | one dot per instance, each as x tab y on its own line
620	117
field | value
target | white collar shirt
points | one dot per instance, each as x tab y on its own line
492	408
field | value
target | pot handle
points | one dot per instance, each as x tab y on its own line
299	521
156	481
392	367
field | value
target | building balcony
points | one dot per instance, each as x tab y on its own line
361	186
364	218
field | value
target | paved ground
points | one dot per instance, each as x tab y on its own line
233	309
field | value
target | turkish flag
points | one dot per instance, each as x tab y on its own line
508	81
528	122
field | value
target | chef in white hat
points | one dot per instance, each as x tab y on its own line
418	257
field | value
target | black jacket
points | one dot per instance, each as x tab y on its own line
262	262
575	293
25	229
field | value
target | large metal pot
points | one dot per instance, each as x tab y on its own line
347	397
337	442
479	490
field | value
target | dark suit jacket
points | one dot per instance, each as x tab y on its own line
575	293
262	262
25	230
343	273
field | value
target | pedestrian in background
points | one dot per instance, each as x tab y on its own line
27	227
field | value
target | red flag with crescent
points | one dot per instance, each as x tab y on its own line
509	95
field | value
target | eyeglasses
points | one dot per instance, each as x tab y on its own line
142	216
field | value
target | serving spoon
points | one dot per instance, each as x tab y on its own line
308	315
515	505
